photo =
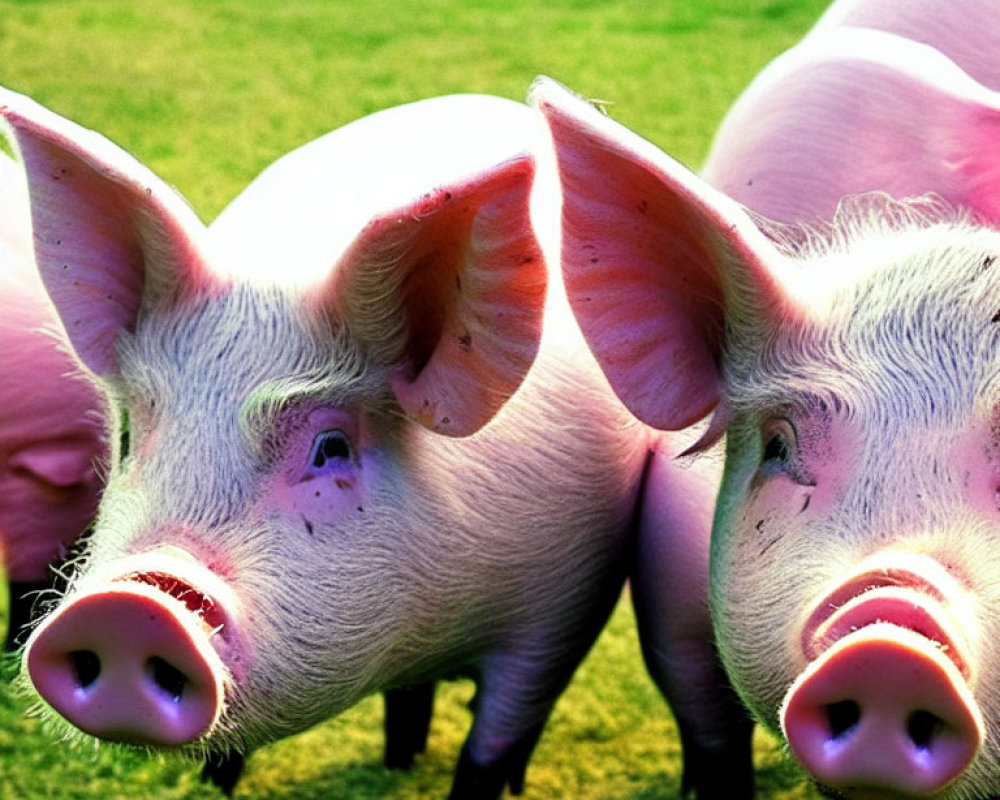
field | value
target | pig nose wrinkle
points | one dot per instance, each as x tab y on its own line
201	604
898	596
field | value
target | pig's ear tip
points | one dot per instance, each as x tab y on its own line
546	92
15	107
541	86
7	109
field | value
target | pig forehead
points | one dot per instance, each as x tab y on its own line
227	345
914	335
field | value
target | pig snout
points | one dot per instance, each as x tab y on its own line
884	704
131	660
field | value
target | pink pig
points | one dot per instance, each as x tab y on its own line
853	364
964	30
337	482
51	428
853	110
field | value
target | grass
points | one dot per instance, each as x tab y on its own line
207	92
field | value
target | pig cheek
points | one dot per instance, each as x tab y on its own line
146	442
328	499
978	462
320	501
759	598
775	509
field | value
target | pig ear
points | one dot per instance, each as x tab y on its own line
107	230
468	280
802	136
648	253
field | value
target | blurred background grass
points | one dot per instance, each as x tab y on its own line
207	93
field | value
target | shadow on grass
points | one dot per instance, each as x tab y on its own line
362	781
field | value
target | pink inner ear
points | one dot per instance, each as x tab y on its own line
472	281
640	266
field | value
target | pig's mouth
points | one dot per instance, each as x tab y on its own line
210	613
895	596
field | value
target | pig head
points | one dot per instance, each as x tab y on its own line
854	368
335	474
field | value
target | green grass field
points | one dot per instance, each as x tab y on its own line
207	93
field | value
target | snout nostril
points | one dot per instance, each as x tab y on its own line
170	679
842	717
922	727
86	667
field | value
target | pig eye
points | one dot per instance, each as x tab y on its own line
329	447
779	445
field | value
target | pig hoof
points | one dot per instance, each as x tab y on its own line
475	781
407	723
723	770
224	770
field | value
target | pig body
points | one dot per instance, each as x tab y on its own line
802	136
51	429
963	30
853	366
292	529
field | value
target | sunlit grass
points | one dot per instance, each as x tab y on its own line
207	92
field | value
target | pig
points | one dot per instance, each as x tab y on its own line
803	135
852	364
51	431
369	447
964	30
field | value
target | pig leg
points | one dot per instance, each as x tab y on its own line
407	723
224	770
670	593
516	691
